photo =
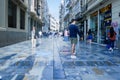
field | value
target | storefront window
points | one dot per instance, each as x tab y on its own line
94	25
105	23
102	29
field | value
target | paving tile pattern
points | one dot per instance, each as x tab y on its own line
93	62
51	60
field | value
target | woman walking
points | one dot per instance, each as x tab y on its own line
111	37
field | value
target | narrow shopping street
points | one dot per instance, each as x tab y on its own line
50	60
35	39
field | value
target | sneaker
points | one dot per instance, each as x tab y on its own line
111	49
73	56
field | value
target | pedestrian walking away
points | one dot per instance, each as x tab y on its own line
73	31
33	37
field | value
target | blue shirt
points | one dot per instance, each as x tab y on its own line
73	30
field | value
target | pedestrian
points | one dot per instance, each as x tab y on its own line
112	37
89	36
73	31
34	36
66	35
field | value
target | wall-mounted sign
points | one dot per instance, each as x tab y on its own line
94	14
105	9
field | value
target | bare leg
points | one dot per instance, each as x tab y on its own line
73	49
32	42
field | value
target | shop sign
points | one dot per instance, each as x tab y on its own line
94	14
107	15
105	9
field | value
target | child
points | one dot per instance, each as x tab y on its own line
89	37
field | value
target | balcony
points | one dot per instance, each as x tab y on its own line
84	8
91	2
94	3
69	3
21	3
32	11
66	14
77	15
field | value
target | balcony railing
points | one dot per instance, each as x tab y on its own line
66	13
84	8
21	3
69	4
94	3
91	2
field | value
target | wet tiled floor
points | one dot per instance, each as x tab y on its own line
93	62
51	60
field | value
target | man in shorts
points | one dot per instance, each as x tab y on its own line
73	31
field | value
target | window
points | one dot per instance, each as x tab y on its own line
12	10
22	19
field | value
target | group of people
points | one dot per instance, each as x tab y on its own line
74	31
38	35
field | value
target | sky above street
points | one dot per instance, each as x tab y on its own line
53	6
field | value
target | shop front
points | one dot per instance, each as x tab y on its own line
105	23
94	25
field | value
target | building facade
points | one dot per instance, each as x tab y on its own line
13	21
54	25
71	10
45	17
17	19
61	16
67	13
97	15
35	15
